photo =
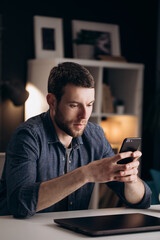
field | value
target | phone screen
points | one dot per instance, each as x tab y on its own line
129	144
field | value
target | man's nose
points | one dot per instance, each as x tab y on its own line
83	112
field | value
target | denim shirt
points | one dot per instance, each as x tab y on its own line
35	154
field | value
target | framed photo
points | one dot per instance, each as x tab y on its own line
104	37
48	37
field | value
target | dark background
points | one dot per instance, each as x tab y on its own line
138	22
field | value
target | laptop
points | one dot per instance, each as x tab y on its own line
111	224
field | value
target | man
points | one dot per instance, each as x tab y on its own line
54	159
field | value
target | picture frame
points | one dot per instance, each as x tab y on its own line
106	36
48	37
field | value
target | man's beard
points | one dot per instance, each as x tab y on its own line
66	125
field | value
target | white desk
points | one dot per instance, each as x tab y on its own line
41	226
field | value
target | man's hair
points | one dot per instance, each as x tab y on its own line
68	73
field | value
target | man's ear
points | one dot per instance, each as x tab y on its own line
51	100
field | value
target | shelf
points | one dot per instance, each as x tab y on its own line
85	62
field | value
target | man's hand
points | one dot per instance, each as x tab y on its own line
108	169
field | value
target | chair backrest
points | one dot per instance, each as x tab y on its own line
2	159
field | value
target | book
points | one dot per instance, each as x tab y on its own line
107	99
112	58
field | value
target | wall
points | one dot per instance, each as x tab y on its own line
138	29
153	117
0	79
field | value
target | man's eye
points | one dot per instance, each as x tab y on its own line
73	105
90	105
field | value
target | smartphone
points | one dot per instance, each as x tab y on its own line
129	144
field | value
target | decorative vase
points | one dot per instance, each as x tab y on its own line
120	109
85	51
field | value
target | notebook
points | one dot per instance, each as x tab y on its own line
111	224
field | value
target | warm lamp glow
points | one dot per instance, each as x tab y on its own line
112	131
36	103
116	128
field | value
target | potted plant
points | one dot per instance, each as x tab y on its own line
85	37
119	105
85	41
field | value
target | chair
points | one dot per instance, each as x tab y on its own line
2	159
104	197
154	185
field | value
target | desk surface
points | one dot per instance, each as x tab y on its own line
41	226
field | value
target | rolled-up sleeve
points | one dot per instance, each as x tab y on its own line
21	174
118	188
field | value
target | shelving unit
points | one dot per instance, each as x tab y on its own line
125	80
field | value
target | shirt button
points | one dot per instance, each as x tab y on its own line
70	203
63	158
69	161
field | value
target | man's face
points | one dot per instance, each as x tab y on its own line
74	109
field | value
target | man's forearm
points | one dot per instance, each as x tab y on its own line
104	170
134	191
52	191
